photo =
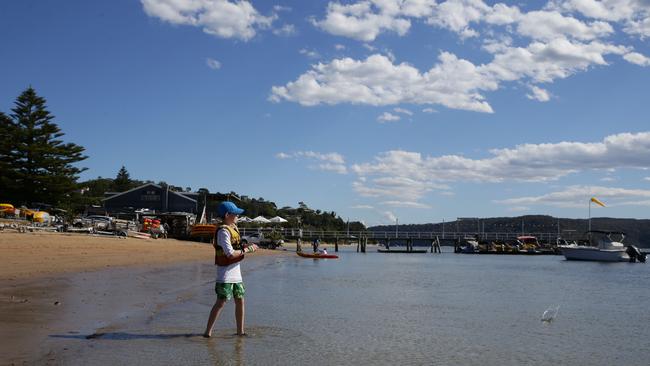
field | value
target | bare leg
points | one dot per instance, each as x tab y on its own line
239	316
214	314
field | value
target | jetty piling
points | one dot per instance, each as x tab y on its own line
435	245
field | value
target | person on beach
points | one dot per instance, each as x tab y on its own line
228	253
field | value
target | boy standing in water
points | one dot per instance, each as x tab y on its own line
228	253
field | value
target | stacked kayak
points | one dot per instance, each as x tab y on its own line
317	255
203	231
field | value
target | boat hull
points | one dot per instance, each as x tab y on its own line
317	256
595	254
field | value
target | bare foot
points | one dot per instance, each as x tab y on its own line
207	335
242	334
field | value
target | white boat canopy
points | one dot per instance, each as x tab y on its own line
243	219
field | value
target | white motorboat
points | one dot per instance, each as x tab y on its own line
606	249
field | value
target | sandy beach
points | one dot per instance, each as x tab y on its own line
53	283
31	255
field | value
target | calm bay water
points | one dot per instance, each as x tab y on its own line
387	309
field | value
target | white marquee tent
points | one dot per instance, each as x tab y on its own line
260	220
277	220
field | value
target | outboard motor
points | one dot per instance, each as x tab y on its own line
635	254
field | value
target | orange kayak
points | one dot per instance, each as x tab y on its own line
317	256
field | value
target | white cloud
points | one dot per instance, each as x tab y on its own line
279	8
362	207
410	175
518	209
339	47
548	25
365	20
220	18
309	53
607	179
538	94
633	14
388	117
369	47
637	58
429	110
456	15
613	10
398	186
578	196
407	204
647	179
286	30
336	168
212	63
403	111
333	162
546	62
453	82
562	43
389	217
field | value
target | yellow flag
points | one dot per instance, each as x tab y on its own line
596	201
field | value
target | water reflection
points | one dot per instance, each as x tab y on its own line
227	353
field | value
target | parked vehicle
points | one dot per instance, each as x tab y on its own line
262	241
105	223
102	223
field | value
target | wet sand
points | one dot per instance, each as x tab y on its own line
55	288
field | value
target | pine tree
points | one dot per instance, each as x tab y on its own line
122	181
7	136
36	165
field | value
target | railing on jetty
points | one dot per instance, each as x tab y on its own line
295	233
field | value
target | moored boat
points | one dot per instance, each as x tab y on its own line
606	250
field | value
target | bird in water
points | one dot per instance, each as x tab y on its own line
550	314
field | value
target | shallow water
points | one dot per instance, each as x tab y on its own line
380	309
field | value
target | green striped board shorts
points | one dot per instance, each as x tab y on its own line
227	291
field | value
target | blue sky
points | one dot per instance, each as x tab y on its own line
414	109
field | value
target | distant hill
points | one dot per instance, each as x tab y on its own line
638	231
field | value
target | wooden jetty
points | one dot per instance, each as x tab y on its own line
431	240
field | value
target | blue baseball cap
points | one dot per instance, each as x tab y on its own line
228	207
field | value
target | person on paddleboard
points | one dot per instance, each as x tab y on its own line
229	252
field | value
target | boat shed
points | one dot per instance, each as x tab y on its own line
153	197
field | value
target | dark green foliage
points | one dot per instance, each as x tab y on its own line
35	164
122	181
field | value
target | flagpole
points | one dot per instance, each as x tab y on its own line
590	215
589	235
